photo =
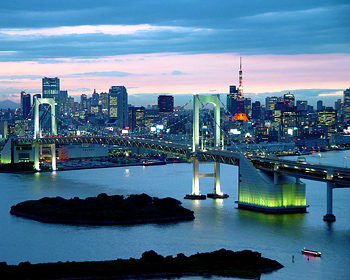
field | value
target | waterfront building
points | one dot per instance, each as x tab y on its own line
118	106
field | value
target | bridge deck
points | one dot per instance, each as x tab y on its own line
339	176
325	173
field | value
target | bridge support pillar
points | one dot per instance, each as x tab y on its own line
329	217
275	178
53	157
195	183
37	149
217	192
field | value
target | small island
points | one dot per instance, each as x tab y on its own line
103	210
246	264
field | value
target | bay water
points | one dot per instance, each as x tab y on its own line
218	223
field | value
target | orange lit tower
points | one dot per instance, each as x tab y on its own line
240	114
240	87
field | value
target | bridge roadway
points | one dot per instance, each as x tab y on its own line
181	150
339	176
325	173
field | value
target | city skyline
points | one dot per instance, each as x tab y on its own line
176	48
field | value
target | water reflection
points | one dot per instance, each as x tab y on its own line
127	173
289	222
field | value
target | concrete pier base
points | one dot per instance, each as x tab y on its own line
195	196
329	218
217	196
272	210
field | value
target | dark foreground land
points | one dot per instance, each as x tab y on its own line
103	210
223	262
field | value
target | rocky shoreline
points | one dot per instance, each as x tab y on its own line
244	264
103	210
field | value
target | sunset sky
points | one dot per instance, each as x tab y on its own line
177	47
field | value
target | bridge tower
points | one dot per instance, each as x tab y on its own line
197	149
37	131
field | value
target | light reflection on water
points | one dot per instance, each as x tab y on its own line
218	224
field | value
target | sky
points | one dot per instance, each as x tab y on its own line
179	47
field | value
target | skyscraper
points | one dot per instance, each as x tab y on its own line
346	106
83	101
25	104
95	98
232	99
320	106
118	105
51	88
35	96
165	103
270	103
256	110
302	105
289	100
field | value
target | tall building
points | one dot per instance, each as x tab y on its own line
270	103
103	101
35	96
118	105
346	106
232	97
63	102
256	110
95	98
327	118
51	88
302	105
320	106
83	101
25	104
165	103
289	100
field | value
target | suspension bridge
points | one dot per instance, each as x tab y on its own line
267	184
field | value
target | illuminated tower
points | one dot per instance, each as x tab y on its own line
240	114
240	87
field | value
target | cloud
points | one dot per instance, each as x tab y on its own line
28	33
20	77
175	73
104	74
83	29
